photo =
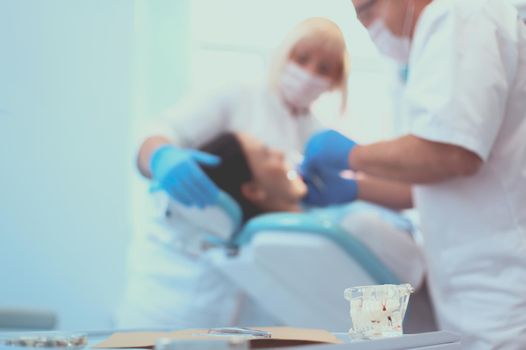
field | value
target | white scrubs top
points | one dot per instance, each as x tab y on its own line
254	110
169	287
467	87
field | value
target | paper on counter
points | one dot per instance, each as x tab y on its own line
281	337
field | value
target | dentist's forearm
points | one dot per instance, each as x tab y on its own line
145	153
391	194
413	160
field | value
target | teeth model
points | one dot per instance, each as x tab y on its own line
378	311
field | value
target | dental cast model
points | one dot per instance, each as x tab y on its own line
378	311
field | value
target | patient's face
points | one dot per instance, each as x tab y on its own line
272	174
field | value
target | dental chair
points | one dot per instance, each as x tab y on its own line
297	265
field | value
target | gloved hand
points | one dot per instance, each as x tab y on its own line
329	188
327	150
176	171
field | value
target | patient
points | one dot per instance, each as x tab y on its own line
261	181
256	176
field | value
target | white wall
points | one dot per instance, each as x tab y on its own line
65	108
78	79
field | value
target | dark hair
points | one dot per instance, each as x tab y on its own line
232	172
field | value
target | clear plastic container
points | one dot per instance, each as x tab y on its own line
44	340
378	311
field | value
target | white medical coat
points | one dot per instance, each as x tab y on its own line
251	109
167	287
467	87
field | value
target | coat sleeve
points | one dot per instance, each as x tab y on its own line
459	80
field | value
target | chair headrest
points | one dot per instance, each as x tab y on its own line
220	221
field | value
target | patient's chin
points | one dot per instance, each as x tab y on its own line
299	189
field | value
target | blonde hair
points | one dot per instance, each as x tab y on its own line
324	34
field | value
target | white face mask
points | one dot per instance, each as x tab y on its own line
398	48
389	44
300	88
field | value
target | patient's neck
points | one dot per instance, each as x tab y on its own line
282	205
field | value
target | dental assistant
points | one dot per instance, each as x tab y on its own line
169	283
312	60
463	151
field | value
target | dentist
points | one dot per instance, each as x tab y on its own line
463	151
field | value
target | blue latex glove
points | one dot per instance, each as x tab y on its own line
329	188
176	171
327	150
